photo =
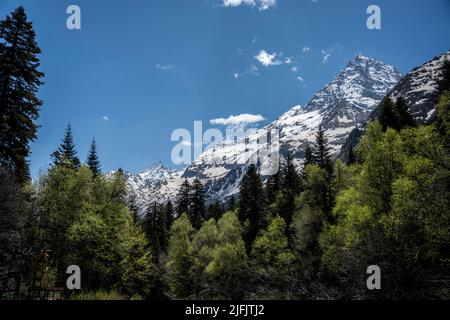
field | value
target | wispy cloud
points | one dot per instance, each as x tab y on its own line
252	70
272	59
239	120
105	118
260	4
326	55
164	67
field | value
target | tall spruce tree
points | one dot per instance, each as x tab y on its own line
252	205
404	118
309	159
66	153
444	83
323	160
386	115
273	187
152	230
231	203
291	179
183	198
169	211
92	161
322	151
132	205
215	210
20	80
197	209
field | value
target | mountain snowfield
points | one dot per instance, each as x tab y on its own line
339	107
420	89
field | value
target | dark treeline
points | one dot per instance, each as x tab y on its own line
303	233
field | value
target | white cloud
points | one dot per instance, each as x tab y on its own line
105	118
267	59
294	69
241	119
261	4
272	59
306	49
299	78
164	67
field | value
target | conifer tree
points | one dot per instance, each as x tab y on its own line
405	119
323	160
352	157
252	205
273	186
386	115
232	203
309	159
152	227
20	80
215	210
92	161
322	151
197	209
183	198
444	83
169	211
132	205
66	153
291	180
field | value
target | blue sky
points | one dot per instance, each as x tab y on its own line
139	69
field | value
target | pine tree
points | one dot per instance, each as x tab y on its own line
152	230
232	203
92	161
387	115
66	153
352	157
273	186
215	210
323	160
183	199
197	209
169	211
322	151
252	205
20	80
132	205
444	83
405	119
291	180
309	159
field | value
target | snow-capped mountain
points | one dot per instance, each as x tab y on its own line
339	107
156	184
419	88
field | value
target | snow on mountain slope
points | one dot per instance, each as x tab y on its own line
420	88
339	107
